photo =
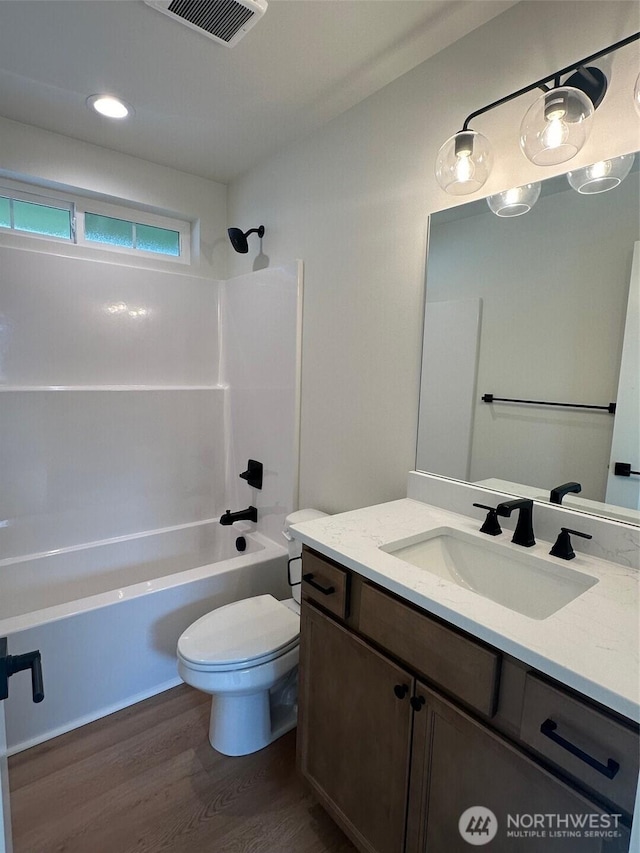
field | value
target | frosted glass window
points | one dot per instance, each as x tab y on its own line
5	213
104	225
133	235
161	240
41	219
107	229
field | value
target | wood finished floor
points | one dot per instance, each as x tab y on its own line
145	780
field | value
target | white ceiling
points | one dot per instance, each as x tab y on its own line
202	107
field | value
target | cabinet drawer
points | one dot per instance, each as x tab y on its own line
590	746
325	583
462	667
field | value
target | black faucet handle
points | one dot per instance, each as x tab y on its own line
563	547
491	524
576	532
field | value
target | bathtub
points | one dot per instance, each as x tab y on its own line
106	617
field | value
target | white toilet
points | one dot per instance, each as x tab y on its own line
246	655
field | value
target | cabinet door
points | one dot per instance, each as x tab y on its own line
459	764
354	731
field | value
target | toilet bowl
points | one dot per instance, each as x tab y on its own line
245	654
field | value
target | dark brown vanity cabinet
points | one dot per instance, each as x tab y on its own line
354	732
459	763
406	723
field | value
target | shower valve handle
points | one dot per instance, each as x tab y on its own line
253	474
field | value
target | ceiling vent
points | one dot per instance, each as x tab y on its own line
223	21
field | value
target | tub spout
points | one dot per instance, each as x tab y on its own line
249	514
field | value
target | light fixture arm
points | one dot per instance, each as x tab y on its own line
580	66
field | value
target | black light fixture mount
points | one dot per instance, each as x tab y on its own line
553	130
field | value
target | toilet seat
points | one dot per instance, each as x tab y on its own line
239	635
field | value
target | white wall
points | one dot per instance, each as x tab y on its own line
353	200
31	153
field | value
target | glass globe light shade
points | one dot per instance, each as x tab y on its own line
602	176
556	126
464	162
636	95
516	201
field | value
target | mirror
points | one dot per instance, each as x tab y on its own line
532	309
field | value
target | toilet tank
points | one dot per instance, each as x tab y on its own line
295	547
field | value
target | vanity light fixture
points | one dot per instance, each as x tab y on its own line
464	163
554	128
110	106
558	124
516	201
602	176
636	95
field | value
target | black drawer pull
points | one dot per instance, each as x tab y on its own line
401	690
325	590
548	729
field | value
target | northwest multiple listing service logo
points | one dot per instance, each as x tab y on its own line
478	825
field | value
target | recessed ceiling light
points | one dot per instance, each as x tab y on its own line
110	106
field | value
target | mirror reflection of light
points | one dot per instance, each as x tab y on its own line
515	201
601	176
599	170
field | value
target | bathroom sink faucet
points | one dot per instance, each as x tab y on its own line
523	534
249	514
556	495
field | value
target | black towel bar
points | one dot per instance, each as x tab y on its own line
489	398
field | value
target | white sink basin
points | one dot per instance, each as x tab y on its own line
526	583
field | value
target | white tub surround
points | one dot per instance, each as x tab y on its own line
591	644
132	399
260	363
130	402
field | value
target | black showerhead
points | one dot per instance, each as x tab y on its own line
239	238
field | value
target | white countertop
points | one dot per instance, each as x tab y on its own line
591	644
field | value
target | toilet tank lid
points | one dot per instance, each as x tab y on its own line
240	631
298	517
